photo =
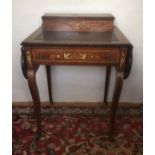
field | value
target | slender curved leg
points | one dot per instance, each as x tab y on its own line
108	73
116	96
48	72
35	96
33	88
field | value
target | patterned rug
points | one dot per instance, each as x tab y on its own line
77	131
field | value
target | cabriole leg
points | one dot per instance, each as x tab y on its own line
116	96
33	88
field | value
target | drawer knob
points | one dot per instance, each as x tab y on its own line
67	56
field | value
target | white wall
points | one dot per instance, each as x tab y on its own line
78	83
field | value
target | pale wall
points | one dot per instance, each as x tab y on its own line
78	83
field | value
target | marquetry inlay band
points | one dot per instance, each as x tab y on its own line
77	55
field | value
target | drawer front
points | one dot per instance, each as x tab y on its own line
76	55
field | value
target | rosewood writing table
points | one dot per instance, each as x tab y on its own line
82	39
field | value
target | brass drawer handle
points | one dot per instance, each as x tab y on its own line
67	56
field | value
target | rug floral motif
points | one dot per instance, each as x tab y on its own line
81	133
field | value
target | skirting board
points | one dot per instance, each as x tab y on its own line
77	104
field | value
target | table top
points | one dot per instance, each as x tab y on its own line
84	15
69	38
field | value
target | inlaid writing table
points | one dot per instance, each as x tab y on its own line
77	40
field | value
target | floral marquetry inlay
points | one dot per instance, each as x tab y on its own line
83	56
77	55
67	56
28	56
122	59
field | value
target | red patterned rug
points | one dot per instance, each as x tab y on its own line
77	131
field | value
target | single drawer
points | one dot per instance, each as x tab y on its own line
76	55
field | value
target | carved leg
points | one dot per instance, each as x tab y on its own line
48	72
108	72
35	96
116	95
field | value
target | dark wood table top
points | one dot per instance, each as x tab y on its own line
77	16
69	38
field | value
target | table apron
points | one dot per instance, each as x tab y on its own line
76	56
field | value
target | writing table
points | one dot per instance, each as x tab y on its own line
77	39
